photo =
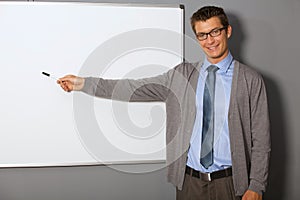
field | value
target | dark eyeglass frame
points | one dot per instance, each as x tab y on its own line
213	33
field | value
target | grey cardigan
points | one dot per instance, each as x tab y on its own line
248	118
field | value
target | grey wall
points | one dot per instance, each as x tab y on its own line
264	37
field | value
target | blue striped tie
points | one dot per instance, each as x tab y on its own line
206	156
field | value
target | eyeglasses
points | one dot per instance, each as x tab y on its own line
213	33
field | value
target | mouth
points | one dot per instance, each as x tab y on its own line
212	48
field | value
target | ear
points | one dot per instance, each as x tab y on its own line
229	31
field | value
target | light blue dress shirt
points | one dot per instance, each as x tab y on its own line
222	155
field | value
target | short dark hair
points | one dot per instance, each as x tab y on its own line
208	12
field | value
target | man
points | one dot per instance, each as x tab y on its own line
218	140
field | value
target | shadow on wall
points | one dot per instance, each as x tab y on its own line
277	172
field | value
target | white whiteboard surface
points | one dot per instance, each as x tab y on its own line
40	124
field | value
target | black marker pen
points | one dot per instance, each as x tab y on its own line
51	76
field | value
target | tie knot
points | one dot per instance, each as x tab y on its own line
212	68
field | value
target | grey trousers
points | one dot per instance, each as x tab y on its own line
196	189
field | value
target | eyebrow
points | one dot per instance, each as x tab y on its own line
209	31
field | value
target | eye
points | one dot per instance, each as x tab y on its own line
201	35
215	32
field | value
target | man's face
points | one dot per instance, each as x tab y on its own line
215	48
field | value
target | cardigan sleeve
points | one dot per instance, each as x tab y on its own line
133	90
260	132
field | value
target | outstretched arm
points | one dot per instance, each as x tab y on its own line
138	90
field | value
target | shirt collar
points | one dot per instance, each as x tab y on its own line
223	65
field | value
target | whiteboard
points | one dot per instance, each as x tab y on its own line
43	126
